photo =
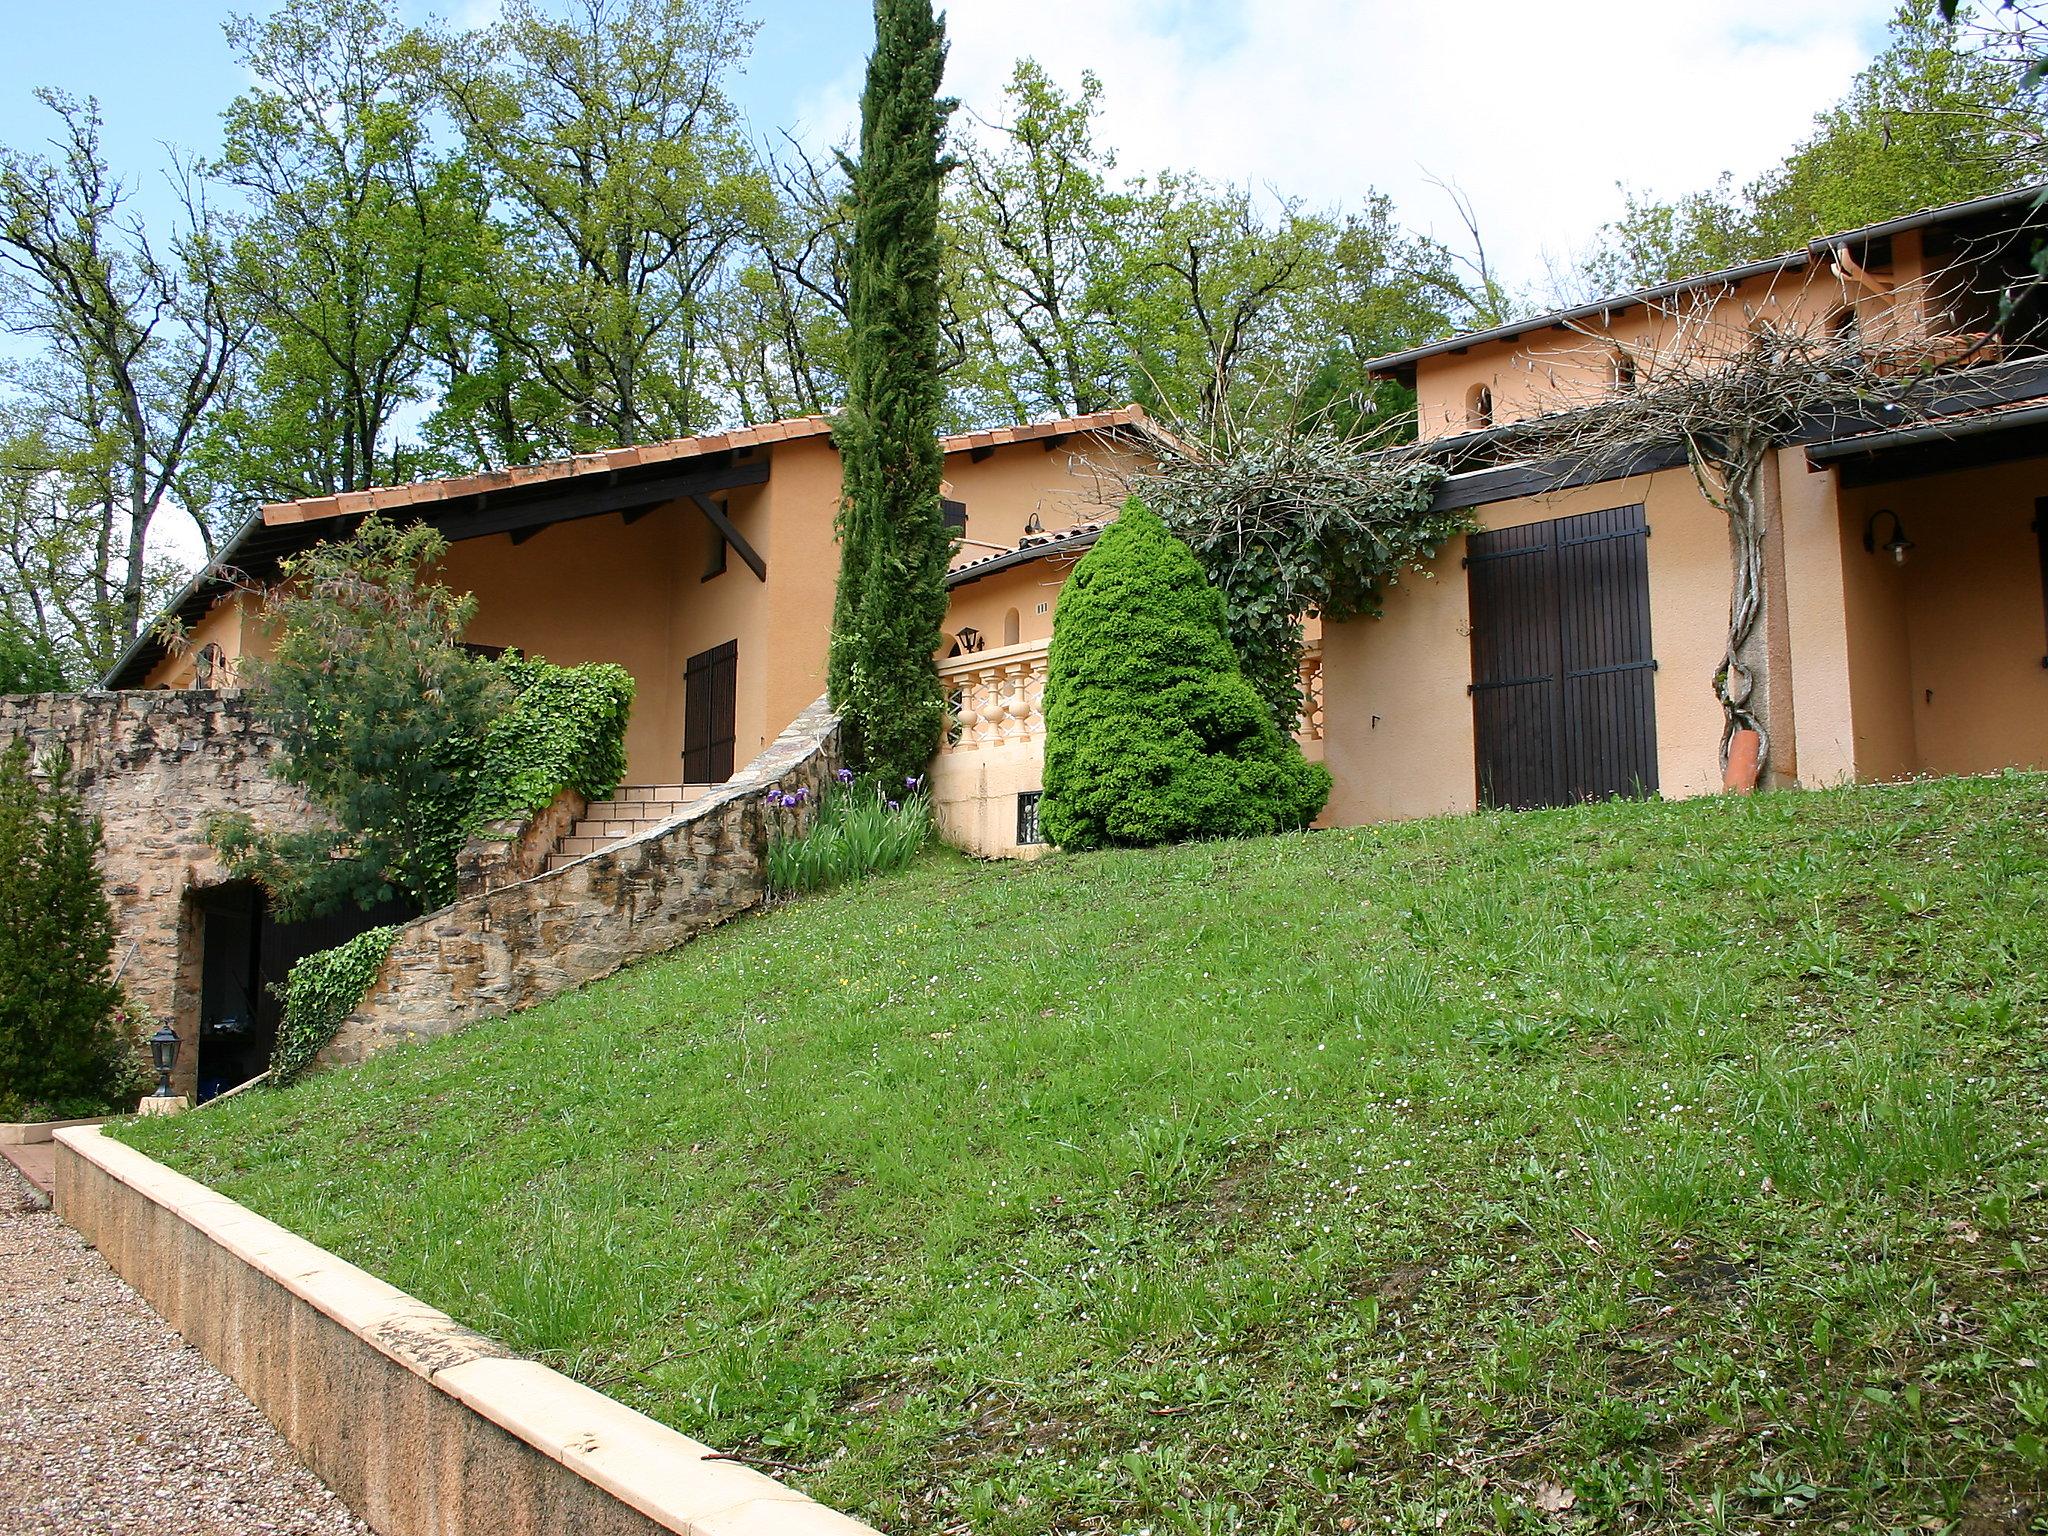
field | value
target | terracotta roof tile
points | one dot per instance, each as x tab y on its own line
391	497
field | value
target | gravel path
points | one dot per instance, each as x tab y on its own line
110	1424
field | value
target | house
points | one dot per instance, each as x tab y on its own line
1567	650
706	567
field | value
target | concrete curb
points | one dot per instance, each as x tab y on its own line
29	1133
423	1427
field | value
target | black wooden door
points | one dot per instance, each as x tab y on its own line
710	703
1562	700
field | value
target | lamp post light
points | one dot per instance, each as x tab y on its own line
1897	545
163	1051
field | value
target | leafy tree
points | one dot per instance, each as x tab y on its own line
139	339
64	1043
353	242
1041	237
1940	115
1295	520
894	544
782	334
381	718
1152	733
625	191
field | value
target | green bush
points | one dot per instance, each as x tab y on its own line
860	830
566	730
322	990
1152	733
67	1046
407	741
380	716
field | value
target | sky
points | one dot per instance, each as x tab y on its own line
1535	110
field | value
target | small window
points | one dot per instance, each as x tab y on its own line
1479	407
1011	627
210	667
1624	370
714	556
1027	819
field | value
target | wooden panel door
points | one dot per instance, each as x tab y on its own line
710	705
1562	702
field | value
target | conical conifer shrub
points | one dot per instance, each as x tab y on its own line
1152	733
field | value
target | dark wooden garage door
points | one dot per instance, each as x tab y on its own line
1562	702
710	705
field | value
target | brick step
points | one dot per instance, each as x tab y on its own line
632	809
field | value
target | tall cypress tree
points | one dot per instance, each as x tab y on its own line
893	540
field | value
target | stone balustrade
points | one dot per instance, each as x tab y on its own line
997	697
1310	727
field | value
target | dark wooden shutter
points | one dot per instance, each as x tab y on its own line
1516	702
710	711
1563	705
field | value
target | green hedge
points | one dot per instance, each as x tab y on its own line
322	990
566	731
1152	733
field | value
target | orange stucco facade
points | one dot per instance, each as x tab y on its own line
1877	668
649	593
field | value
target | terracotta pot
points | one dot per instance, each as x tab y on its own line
1744	749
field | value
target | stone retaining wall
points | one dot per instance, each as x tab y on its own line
423	1427
156	767
522	943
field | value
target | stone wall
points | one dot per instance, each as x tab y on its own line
155	767
519	944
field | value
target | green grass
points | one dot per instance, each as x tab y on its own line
1682	1162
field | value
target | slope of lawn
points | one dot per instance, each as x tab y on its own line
1640	1166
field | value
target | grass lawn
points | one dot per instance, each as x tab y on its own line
1654	1167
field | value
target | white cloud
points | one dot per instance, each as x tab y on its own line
1536	110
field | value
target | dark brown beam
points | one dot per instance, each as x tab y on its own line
568	504
976	455
1056	440
716	514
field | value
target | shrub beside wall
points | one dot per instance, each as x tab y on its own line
67	1046
1152	733
322	990
565	730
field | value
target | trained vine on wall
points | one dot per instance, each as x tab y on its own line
322	990
566	730
1300	520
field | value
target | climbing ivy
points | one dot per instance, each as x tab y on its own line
565	730
323	989
1300	520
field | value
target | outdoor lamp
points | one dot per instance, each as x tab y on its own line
1897	545
1033	525
969	638
163	1051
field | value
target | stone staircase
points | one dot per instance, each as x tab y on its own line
632	809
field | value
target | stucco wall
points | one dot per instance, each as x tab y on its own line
1552	366
225	624
1947	648
984	605
156	767
1397	720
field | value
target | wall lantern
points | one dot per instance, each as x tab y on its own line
1897	545
970	640
1033	525
163	1052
